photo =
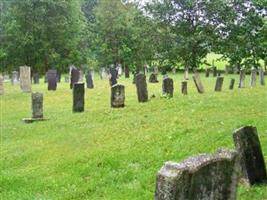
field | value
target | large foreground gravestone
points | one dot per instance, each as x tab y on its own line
198	83
213	177
184	87
14	78
251	158
52	79
253	77
167	87
78	97
261	73
141	87
219	84
113	76
89	80
74	76
35	78
117	96
232	83
25	79
37	108
242	78
153	78
1	85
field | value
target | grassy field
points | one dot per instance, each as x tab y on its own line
115	154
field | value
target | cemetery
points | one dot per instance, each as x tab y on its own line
82	117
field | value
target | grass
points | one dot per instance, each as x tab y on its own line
107	153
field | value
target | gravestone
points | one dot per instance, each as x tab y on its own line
203	177
58	77
89	80
198	83
252	163
214	71
103	73
219	84
145	70
35	78
1	85
52	79
242	78
127	71
113	76
80	75
78	97
74	76
25	79
207	72
14	78
186	74
253	77
153	78
232	83
184	87
167	87
141	87
261	73
117	96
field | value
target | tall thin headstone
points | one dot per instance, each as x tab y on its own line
242	78
74	76
35	78
167	87
186	73
219	84
78	97
253	77
232	83
251	158
113	76
89	80
52	79
184	87
198	83
261	73
214	71
141	87
25	79
117	96
80	75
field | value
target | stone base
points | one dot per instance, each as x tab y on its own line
31	120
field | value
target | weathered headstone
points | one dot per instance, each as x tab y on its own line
117	96
25	79
74	76
89	80
219	84
1	85
78	97
214	71
198	83
167	87
127	71
253	77
242	78
202	177
186	74
14	78
141	87
35	78
232	83
207	72
261	73
184	87
113	76
251	158
52	79
153	78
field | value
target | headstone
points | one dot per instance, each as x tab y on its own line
89	80
127	71
232	83
186	74
155	70
80	75
214	71
117	96
113	76
167	87
261	73
184	87
78	97
141	87
1	85
25	79
52	79
219	84
35	78
207	72
74	77
253	77
198	83
103	73
203	177
242	78
252	163
14	78
58	77
153	78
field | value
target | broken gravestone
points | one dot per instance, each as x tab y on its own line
198	83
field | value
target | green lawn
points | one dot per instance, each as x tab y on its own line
115	154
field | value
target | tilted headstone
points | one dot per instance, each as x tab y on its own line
141	87
232	83
1	85
113	76
219	84
80	75
78	97
202	177
35	78
74	76
214	71
261	73
253	77
207	72
89	80
14	78
242	78
153	78
251	158
52	79
117	96
25	79
127	72
186	74
198	83
167	87
184	87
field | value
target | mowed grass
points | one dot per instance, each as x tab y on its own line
107	153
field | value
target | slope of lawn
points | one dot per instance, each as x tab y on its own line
115	154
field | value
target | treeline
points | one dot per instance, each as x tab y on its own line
47	34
